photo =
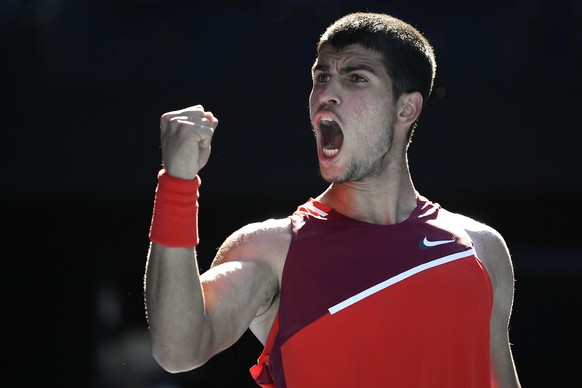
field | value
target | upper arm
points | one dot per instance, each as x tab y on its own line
234	292
494	254
243	279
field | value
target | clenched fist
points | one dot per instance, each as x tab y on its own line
185	139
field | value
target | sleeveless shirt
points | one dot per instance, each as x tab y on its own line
365	305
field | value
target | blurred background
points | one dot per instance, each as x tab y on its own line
84	83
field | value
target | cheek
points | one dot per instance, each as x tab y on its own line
312	102
378	111
365	112
313	95
374	119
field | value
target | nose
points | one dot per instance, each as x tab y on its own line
329	93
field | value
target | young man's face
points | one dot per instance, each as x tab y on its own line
351	110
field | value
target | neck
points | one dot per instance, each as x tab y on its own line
385	200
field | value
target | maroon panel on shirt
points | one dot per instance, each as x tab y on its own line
339	257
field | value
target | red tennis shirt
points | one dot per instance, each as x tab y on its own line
364	305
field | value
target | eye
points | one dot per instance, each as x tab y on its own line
358	78
321	77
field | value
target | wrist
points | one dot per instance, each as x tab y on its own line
175	214
175	171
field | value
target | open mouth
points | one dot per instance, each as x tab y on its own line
332	137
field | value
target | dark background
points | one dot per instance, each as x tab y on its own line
84	83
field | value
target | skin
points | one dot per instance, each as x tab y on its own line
194	316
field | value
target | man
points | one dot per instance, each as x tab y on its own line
368	284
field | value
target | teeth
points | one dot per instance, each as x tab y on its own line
330	152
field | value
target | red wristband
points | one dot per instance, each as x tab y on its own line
175	215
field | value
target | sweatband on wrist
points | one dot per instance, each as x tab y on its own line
175	215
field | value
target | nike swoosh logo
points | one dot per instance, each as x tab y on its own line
426	243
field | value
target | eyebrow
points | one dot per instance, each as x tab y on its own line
345	69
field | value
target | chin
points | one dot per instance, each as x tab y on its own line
330	177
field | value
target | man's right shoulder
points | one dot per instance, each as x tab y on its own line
266	241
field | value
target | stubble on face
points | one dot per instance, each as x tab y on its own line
373	156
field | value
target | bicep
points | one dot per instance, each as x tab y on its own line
233	293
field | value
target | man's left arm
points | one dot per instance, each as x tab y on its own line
493	252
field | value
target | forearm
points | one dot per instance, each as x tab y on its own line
175	308
180	329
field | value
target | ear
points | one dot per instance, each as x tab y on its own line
408	108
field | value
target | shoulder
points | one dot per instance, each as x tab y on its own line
482	234
266	242
491	249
